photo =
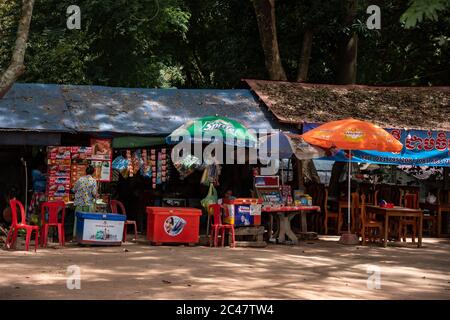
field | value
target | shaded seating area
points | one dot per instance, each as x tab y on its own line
369	226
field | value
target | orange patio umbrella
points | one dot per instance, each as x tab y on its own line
352	134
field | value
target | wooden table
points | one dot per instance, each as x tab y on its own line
285	216
397	212
438	208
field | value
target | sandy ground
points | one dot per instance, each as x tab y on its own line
320	269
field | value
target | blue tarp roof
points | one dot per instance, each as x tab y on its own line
96	109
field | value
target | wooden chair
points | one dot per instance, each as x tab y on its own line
388	193
411	200
392	195
430	223
331	215
368	224
442	205
375	198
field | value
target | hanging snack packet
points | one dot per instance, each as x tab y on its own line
146	168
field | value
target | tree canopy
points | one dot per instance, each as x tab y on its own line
215	43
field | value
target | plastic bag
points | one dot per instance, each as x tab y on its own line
205	177
136	161
211	175
211	198
146	168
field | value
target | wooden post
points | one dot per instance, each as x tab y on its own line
300	175
447	179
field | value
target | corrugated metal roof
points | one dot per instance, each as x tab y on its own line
66	108
35	107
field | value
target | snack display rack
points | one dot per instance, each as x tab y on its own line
268	189
67	164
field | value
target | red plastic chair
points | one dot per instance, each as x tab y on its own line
53	208
16	226
217	227
115	205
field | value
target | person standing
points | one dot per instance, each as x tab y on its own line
85	194
39	180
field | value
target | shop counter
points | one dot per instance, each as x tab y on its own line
173	225
99	228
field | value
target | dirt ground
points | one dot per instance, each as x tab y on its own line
320	269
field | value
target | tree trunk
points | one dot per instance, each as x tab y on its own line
16	68
299	174
305	56
265	16
348	48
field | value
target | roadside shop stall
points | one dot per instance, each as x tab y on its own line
65	166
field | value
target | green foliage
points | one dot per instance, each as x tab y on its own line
423	9
9	17
399	56
215	43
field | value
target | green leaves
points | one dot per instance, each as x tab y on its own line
423	9
215	43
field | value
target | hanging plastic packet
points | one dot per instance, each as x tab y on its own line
130	165
159	168
137	162
121	165
146	169
187	165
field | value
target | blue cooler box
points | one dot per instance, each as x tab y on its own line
100	228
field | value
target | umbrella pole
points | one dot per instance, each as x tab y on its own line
349	238
349	189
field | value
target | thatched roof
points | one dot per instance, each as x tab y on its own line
390	107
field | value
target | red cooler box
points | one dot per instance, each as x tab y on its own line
172	224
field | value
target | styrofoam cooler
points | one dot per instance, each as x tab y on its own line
99	228
243	212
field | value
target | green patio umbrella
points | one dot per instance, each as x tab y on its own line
212	129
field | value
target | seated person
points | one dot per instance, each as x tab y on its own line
227	196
